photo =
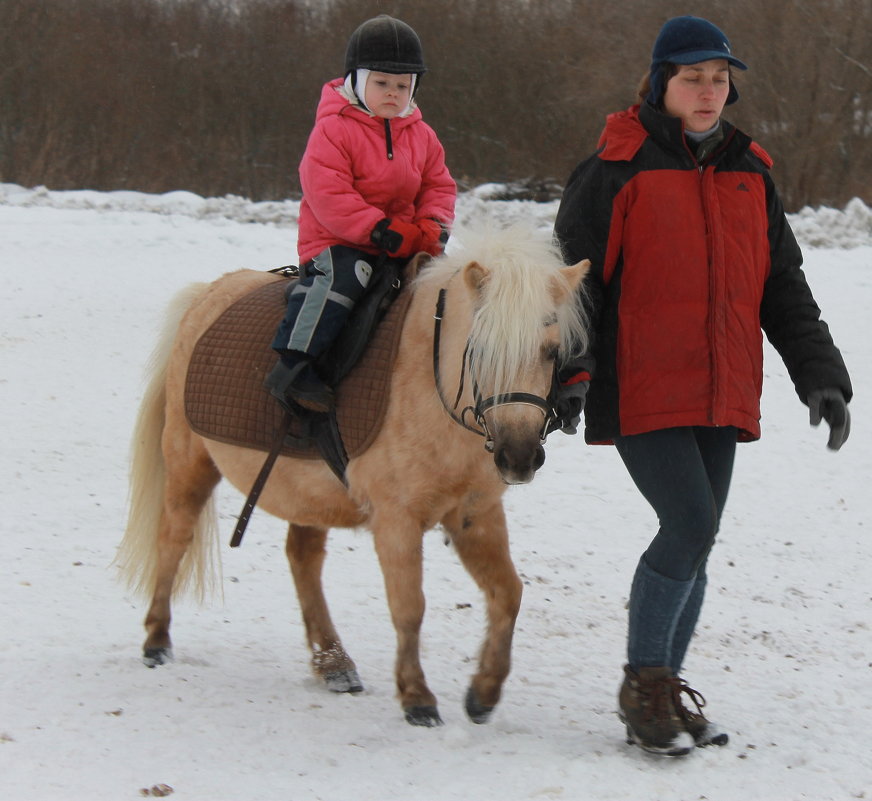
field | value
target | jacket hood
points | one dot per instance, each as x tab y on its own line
622	136
336	99
626	131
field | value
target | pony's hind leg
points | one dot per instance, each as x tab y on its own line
186	493
306	553
481	542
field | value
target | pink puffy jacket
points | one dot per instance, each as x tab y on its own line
359	169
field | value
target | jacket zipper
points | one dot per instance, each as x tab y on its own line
710	256
716	295
389	144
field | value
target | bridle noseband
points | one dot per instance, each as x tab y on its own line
481	405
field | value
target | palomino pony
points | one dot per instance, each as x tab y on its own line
508	308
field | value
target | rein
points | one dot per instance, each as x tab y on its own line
481	405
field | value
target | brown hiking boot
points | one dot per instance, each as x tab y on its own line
647	707
703	731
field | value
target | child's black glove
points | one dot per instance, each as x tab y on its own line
398	238
829	405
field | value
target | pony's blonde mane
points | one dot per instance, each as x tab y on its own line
517	300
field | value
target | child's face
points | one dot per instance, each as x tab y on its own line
697	93
388	95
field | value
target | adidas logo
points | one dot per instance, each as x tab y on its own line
742	188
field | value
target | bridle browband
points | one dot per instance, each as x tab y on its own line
481	405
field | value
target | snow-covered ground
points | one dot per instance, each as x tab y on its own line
783	652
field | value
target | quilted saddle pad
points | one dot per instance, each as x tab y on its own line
224	395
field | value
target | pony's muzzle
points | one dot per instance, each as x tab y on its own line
518	464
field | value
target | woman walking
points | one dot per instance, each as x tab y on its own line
692	260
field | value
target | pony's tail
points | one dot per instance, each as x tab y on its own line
137	557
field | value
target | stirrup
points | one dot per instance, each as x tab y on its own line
299	386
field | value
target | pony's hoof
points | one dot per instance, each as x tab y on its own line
343	681
423	716
152	657
478	712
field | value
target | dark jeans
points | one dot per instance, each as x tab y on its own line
684	473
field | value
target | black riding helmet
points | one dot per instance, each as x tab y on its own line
385	44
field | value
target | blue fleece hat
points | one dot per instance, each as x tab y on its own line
689	40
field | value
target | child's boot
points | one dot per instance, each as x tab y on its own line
297	383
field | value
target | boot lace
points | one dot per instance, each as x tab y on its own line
679	686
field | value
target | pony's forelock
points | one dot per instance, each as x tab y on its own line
518	299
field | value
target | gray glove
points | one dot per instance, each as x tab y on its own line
568	405
829	405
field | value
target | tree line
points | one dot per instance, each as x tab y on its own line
218	96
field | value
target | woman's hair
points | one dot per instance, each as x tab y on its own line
644	88
669	71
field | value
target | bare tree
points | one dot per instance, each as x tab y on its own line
218	97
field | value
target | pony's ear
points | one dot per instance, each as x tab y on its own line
574	276
418	261
475	276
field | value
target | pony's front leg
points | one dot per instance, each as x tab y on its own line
399	549
482	543
306	553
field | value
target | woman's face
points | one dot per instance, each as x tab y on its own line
697	93
388	95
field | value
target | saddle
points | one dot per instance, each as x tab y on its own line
224	395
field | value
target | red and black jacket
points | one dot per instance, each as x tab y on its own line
689	262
